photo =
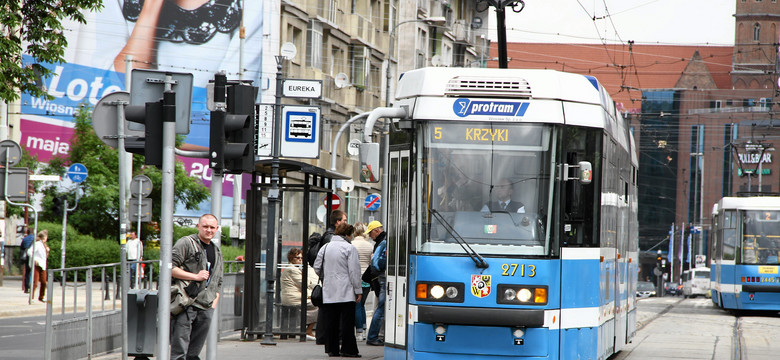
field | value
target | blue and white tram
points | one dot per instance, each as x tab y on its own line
746	253
552	274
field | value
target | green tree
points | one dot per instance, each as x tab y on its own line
98	211
34	27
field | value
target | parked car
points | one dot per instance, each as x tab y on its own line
645	289
672	288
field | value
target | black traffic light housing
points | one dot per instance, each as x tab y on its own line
150	146
232	133
57	205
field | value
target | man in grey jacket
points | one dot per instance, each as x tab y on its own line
197	262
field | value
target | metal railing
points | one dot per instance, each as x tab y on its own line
83	307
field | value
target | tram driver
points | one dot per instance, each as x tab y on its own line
503	199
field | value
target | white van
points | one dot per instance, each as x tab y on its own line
696	282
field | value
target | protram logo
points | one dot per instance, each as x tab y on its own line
466	107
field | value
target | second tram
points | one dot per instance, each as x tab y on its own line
745	250
512	217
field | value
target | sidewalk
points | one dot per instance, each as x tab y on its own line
14	303
233	348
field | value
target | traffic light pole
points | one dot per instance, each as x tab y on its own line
166	220
220	81
123	222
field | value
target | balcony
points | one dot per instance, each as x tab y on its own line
362	28
463	32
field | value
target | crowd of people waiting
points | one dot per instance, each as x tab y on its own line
348	261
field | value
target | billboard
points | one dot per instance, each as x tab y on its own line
159	35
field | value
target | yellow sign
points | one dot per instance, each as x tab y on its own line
767	269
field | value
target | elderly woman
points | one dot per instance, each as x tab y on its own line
338	265
292	281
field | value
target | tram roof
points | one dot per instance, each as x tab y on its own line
520	83
750	203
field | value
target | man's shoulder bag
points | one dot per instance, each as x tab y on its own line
184	292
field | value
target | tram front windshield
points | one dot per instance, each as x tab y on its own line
761	237
490	184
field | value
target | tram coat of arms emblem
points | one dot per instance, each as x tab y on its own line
480	285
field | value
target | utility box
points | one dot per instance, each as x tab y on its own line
141	323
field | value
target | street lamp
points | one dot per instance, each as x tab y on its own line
433	20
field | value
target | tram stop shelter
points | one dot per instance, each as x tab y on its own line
298	217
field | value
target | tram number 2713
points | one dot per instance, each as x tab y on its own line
525	270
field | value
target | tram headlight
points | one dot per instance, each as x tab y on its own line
452	292
522	294
439	291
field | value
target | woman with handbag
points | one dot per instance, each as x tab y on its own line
338	266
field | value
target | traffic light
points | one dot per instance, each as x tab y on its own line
150	146
232	133
57	205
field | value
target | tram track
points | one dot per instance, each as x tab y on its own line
737	345
642	323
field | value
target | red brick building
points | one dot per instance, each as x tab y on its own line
702	116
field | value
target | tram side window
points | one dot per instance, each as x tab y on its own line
729	235
580	206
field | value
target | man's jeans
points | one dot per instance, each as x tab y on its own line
189	330
379	313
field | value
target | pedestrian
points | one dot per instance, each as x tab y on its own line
292	283
197	268
379	262
338	266
37	254
364	248
135	253
26	271
337	217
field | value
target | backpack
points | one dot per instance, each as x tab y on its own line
315	241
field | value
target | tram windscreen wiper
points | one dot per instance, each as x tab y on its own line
478	259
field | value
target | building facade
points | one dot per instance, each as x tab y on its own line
347	45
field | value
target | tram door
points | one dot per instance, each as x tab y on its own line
398	228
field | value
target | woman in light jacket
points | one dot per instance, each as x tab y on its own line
292	279
338	265
37	260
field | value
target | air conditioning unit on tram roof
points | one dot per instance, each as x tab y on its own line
488	87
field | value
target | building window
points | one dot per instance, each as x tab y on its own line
358	61
336	61
756	32
314	45
422	52
295	36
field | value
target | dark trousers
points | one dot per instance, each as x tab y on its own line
189	330
26	276
339	321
